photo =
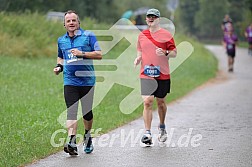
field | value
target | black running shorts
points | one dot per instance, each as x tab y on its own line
231	53
158	88
72	96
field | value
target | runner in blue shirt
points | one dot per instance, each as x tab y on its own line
76	51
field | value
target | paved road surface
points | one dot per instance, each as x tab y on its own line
212	126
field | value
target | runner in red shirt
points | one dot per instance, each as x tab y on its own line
155	46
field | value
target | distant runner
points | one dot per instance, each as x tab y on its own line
230	41
248	35
227	24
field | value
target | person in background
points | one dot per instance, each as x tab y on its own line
154	49
76	51
248	35
139	20
227	24
229	42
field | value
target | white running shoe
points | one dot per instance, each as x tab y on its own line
162	136
146	140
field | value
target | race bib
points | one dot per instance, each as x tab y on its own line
230	46
250	34
71	58
152	71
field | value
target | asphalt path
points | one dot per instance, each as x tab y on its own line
211	126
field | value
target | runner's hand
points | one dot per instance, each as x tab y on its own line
137	61
56	70
160	52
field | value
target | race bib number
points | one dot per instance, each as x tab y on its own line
152	71
71	58
250	34
230	46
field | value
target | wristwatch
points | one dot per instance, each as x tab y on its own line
167	52
81	56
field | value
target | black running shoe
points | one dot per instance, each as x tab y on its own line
71	149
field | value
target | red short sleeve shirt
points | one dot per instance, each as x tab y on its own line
147	44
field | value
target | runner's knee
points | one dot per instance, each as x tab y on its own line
148	103
88	116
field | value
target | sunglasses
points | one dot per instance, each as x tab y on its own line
152	16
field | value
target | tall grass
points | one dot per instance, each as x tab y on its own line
31	96
32	35
28	35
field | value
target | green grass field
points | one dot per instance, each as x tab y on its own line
31	98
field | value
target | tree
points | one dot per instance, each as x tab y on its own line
241	13
209	17
187	11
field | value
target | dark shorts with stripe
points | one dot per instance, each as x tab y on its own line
158	88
